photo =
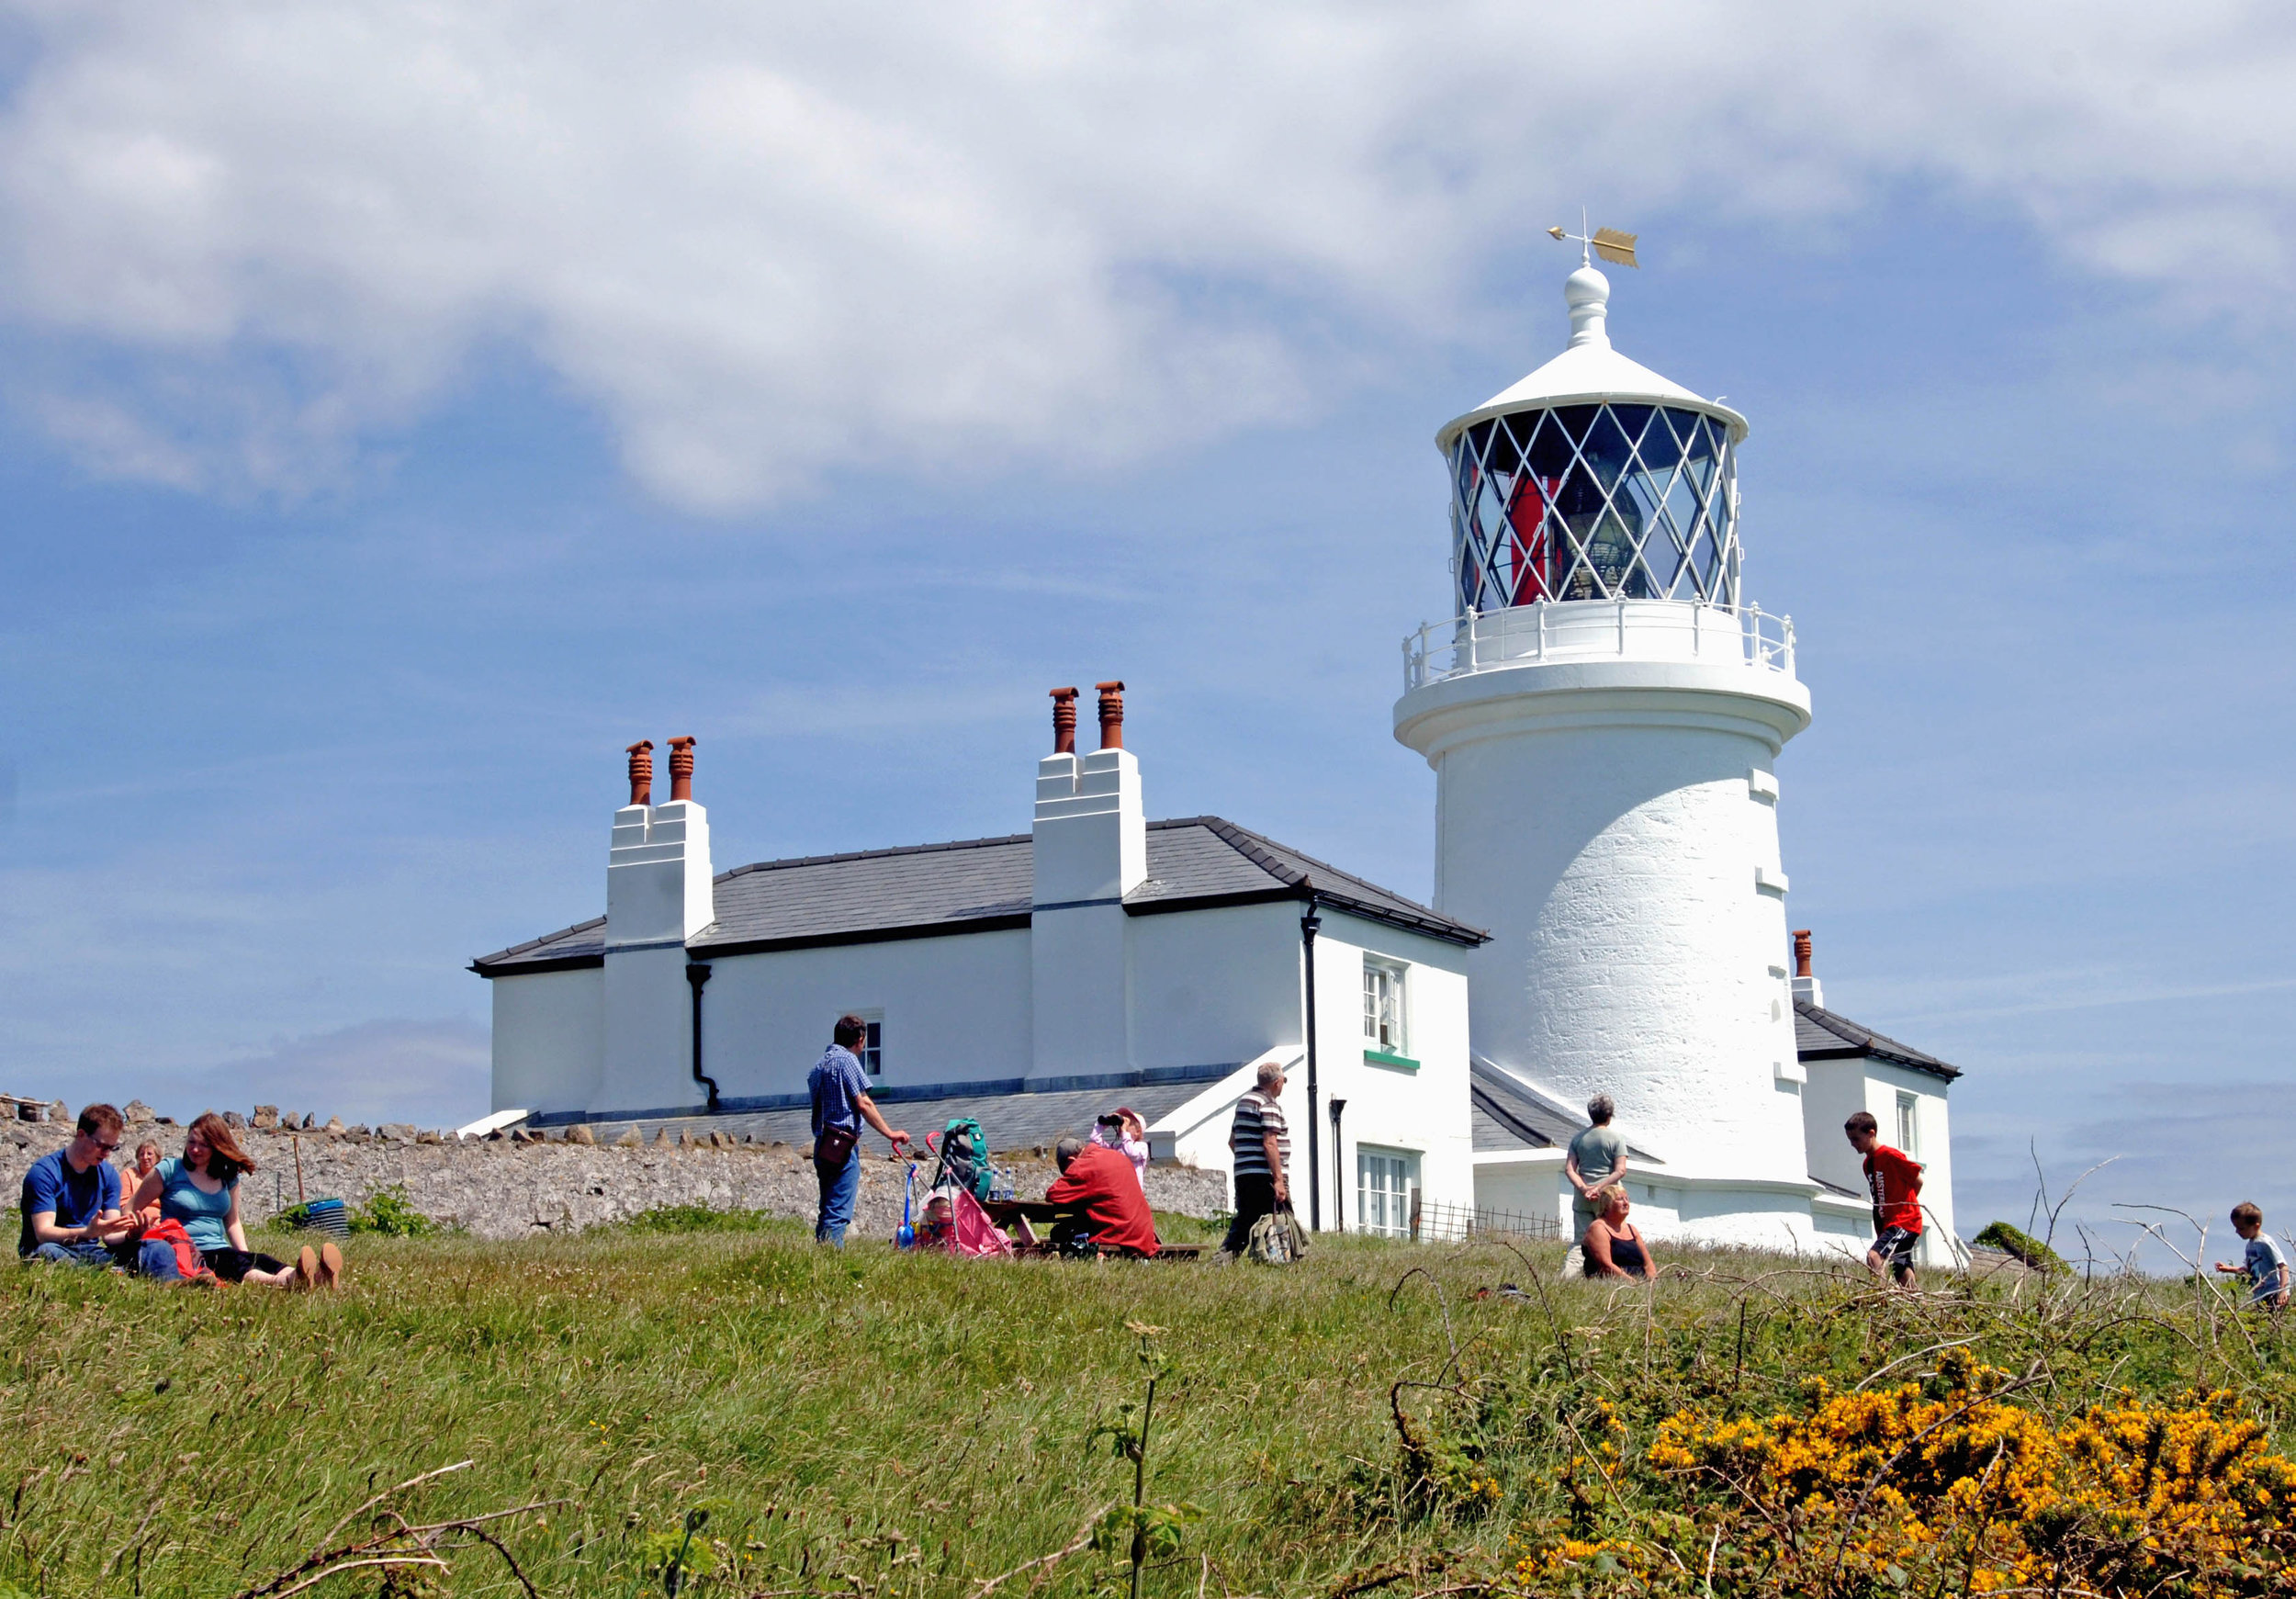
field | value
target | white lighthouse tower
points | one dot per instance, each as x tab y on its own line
1603	717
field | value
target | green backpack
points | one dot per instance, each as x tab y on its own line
965	1157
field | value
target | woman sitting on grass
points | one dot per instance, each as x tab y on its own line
131	1181
201	1191
1613	1245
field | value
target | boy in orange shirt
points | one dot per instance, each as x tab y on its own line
1895	1179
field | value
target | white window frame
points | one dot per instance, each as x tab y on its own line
1384	1211
1909	1123
1397	979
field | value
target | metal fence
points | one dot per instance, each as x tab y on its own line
1435	1223
1592	629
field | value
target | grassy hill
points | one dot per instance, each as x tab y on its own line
1378	1419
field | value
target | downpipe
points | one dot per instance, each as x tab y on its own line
1309	923
697	974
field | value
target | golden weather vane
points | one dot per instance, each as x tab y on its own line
1608	242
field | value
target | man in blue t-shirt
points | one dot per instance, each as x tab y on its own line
72	1194
839	1091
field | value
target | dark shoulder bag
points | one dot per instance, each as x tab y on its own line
834	1146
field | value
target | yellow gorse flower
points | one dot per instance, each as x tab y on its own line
1957	1491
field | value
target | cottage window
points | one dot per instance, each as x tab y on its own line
1383	1013
871	1051
1385	1181
1910	1123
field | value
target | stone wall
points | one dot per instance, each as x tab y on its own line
503	1187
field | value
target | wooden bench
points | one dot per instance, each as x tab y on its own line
1017	1218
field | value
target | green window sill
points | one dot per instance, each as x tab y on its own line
1381	1058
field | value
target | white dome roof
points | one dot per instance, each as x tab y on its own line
1589	370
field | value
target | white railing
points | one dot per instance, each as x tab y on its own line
1583	630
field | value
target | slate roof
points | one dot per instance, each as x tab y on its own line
1012	1121
1503	1115
980	886
1823	1035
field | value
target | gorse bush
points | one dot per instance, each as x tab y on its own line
1958	1489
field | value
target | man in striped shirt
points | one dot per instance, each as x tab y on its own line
1261	1145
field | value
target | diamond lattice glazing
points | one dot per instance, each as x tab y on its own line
1609	502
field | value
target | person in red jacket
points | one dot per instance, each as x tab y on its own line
1100	1182
1895	1179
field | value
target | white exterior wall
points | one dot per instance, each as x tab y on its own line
1839	1087
1197	1133
955	1011
1670	1207
1835	1089
648	1034
1215	986
1088	850
1613	824
659	895
1883	1082
549	1039
1423	1113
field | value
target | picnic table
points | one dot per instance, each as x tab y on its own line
1017	1219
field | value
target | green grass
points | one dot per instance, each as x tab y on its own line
866	1422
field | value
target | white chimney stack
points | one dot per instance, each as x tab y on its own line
1805	981
659	895
657	870
1090	848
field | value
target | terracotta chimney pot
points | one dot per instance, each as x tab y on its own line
1063	721
1801	952
642	773
1112	713
681	769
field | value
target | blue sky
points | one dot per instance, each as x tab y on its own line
399	415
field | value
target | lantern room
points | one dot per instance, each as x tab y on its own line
1594	479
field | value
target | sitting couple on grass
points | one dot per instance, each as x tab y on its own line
179	1222
1613	1245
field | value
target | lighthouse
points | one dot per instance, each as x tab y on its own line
1605	715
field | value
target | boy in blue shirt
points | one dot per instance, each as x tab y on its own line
2266	1268
72	1196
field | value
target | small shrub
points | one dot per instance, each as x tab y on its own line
2023	1246
388	1214
697	1219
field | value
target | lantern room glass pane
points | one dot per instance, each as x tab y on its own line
1594	502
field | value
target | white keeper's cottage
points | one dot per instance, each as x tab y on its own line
1604	717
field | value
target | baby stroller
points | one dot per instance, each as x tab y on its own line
963	1177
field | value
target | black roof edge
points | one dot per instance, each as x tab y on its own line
1432	924
1213	901
1858	1042
1004	922
492	966
1255	847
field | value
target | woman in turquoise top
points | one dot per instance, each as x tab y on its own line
201	1190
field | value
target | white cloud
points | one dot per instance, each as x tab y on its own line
433	1074
769	243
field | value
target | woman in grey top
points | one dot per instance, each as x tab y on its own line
1597	1158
